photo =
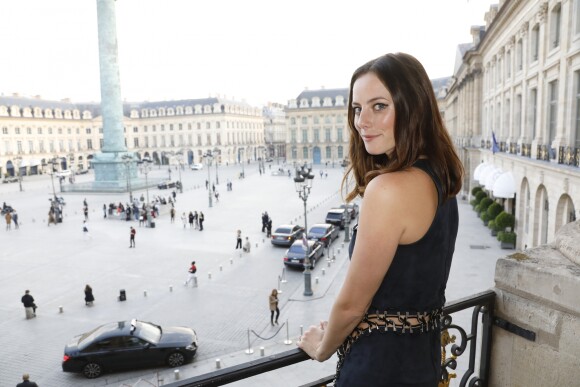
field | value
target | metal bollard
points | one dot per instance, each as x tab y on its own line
60	309
209	275
278	288
329	262
170	288
231	261
287	341
301	330
284	275
256	245
323	271
316	279
262	351
221	268
195	281
176	373
218	364
249	351
144	293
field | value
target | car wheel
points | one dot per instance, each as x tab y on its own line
175	359
92	370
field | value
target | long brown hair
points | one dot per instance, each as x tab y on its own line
419	128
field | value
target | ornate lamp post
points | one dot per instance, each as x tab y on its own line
303	184
145	168
18	160
128	160
217	152
179	166
346	225
51	162
208	157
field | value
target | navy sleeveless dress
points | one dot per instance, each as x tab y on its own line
415	283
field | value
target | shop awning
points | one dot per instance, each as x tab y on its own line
484	172
34	162
504	186
491	177
478	170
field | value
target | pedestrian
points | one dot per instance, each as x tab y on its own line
191	273
85	204
206	184
273	299
132	237
86	230
26	382
86	212
247	246
191	219
172	214
201	219
15	219
405	169
196	220
89	298
142	216
238	239
269	229
264	221
28	302
184	220
51	216
104	211
217	196
174	195
8	218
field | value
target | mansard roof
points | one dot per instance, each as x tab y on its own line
324	93
34	102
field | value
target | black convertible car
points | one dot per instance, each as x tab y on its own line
128	345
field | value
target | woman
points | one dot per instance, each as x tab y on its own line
385	321
89	298
274	307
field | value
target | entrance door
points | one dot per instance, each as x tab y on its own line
316	156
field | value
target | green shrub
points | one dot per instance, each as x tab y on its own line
475	190
504	220
479	196
507	237
483	215
491	224
494	209
476	208
484	204
473	203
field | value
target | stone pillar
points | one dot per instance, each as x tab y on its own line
537	290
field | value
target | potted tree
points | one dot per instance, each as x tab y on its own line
507	239
483	205
493	211
491	225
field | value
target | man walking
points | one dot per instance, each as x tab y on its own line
8	217
191	274
28	302
132	237
201	219
26	382
15	219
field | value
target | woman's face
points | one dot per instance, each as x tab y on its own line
374	114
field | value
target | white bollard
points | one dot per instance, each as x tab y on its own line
221	268
231	261
60	309
218	364
195	281
287	341
249	351
209	275
144	293
176	373
170	288
262	351
323	271
316	279
301	330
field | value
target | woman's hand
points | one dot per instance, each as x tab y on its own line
311	341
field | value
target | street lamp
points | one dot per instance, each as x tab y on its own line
347	224
51	162
145	168
18	160
303	184
208	158
217	179
128	160
179	166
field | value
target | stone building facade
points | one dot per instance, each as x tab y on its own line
513	108
36	132
317	127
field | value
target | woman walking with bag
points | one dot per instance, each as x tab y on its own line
274	306
89	298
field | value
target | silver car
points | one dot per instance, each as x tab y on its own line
286	234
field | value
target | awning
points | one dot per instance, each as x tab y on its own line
34	162
478	170
492	177
504	186
483	173
23	163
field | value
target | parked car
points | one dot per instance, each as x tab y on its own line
324	233
128	345
345	163
352	209
294	256
63	173
337	217
10	179
196	167
167	184
286	234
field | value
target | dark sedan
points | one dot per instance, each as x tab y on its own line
286	234
324	233
296	253
128	345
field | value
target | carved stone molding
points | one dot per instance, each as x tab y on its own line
543	12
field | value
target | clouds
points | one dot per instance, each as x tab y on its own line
255	50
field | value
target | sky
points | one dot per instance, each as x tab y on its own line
256	51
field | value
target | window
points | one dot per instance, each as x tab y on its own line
328	152
199	125
170	126
145	129
340	152
154	128
555	20
28	131
304	135
136	142
316	120
535	43
162	128
293	135
16	130
217	125
506	118
327	135
532	114
88	130
208	125
199	139
508	64
292	121
552	110
317	135
517	118
41	146
39	130
339	134
577	12
19	147
304	120
294	153
519	54
146	142
305	153
135	129
59	131
4	130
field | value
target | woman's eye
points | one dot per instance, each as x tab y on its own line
380	106
356	110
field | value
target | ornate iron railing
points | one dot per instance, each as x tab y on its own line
569	156
482	304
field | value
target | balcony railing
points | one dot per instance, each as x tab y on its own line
569	156
482	304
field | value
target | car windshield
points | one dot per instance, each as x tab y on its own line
333	215
296	249
283	231
318	230
149	332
